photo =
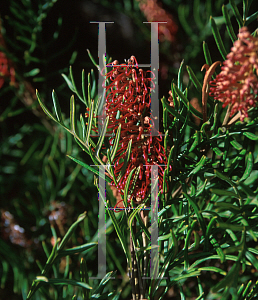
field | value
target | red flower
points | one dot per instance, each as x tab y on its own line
154	12
6	70
237	84
129	94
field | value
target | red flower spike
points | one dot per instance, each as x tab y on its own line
6	70
129	93
237	84
153	11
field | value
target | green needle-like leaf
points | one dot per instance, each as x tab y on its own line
194	79
102	136
72	114
236	13
249	166
62	281
47	112
71	231
89	168
57	108
228	24
218	39
115	144
127	157
186	103
77	250
84	277
207	54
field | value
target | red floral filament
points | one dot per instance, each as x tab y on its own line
129	94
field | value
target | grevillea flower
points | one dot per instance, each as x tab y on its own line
129	94
154	12
237	84
6	70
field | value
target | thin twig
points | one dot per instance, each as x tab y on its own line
234	119
225	121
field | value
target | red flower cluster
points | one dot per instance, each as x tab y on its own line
154	12
237	84
129	94
6	70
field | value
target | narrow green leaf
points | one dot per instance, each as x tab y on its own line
200	191
213	269
32	73
223	192
110	167
51	258
223	177
127	157
196	141
218	39
231	227
251	136
127	185
236	145
170	256
62	281
249	166
194	79
83	89
47	112
207	54
175	98
253	260
217	151
89	125
115	144
186	103
197	212
93	89
72	114
229	280
102	136
83	126
57	108
239	293
92	59
236	13
130	221
89	168
199	165
172	110
228	24
69	83
76	250
84	278
187	240
75	88
201	292
180	76
71	231
208	232
120	235
251	18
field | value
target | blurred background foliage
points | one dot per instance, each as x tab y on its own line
42	191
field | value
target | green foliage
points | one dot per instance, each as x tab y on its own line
207	215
